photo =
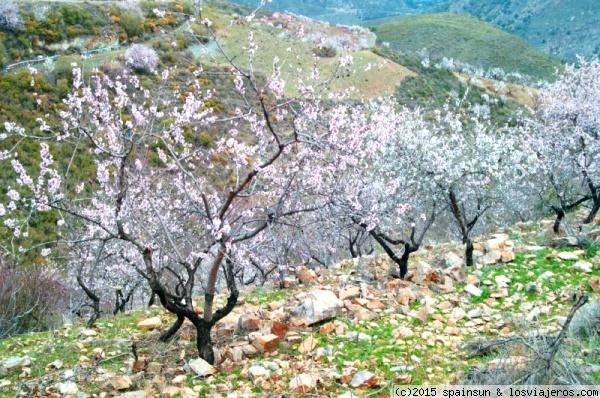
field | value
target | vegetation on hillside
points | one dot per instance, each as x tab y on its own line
561	28
464	39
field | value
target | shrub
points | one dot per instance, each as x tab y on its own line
131	22
586	322
30	299
63	67
325	52
141	58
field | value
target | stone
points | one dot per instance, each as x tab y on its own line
140	394
350	293
406	297
303	382
595	284
452	259
565	241
150	323
289	282
308	345
365	315
364	379
304	274
475	313
202	368
327	328
473	290
16	362
472	279
533	314
375	305
424	274
247	322
320	305
583	266
502	281
259	371
249	350
88	332
490	258
179	379
507	257
279	329
121	382
266	343
458	313
155	367
402	333
170	392
348	394
568	256
497	243
452	331
234	354
187	392
68	388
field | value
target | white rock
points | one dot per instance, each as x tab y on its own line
475	313
16	362
68	388
568	256
363	379
473	290
583	266
319	305
258	371
533	314
201	367
502	281
303	382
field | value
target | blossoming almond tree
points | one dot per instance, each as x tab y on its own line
564	136
151	199
379	197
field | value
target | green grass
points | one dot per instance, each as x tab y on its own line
466	39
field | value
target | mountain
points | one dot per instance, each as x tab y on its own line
561	27
463	38
349	11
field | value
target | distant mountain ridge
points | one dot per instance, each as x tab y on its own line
562	28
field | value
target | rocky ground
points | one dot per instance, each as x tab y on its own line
349	331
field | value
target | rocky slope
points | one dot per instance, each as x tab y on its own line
347	331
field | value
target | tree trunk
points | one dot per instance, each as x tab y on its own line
403	263
469	253
96	315
203	341
594	211
152	299
173	329
560	214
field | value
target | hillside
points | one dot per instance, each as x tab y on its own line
445	324
559	28
348	11
463	38
562	28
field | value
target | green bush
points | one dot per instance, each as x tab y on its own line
131	22
63	68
